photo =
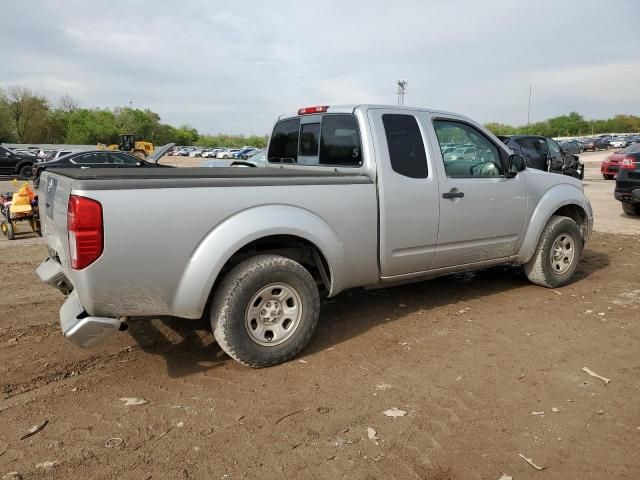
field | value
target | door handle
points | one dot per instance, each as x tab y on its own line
453	193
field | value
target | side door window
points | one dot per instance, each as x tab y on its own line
93	158
473	155
4	153
122	159
406	148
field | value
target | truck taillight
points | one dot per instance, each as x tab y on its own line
311	110
84	222
628	163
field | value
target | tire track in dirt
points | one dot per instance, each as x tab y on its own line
61	371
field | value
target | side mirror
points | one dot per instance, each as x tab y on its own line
517	164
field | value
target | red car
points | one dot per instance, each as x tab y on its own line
610	165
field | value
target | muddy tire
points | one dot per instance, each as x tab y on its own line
265	310
632	209
557	253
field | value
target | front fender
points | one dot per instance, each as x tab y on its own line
555	198
242	228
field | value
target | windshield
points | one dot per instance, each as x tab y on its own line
635	148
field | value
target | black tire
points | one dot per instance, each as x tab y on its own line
632	209
231	319
26	171
540	269
607	177
11	234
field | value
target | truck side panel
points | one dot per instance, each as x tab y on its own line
157	259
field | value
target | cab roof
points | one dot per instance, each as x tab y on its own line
353	107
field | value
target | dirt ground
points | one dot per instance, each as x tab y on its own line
472	359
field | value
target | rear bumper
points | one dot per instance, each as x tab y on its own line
76	324
629	196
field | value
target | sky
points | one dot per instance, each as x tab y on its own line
234	66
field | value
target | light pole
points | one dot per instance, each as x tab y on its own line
529	109
402	91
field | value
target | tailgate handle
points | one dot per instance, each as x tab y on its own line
453	193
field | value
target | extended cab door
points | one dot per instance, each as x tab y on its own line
482	212
408	192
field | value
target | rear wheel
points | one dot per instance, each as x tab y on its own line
26	171
141	154
607	177
265	310
557	254
632	209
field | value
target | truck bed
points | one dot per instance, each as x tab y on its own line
138	178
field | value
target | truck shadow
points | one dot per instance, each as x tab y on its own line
188	346
346	316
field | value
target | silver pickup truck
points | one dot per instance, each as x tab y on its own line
353	196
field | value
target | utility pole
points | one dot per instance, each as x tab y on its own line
529	109
130	103
402	91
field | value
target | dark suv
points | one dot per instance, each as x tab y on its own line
13	163
544	153
628	184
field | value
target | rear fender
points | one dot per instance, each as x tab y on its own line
237	231
552	200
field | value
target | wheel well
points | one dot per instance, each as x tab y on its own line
23	163
290	246
576	213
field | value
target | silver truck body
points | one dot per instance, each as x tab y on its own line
169	234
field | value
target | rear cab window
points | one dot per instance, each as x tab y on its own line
317	140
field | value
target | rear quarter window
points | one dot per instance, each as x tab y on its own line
283	146
406	148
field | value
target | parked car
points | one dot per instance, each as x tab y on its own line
611	165
100	159
627	188
543	153
227	153
619	142
353	196
195	153
572	146
244	151
211	153
55	154
602	143
15	163
589	144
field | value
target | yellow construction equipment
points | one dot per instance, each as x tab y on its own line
128	143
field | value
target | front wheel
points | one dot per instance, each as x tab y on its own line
632	209
607	177
557	254
265	310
